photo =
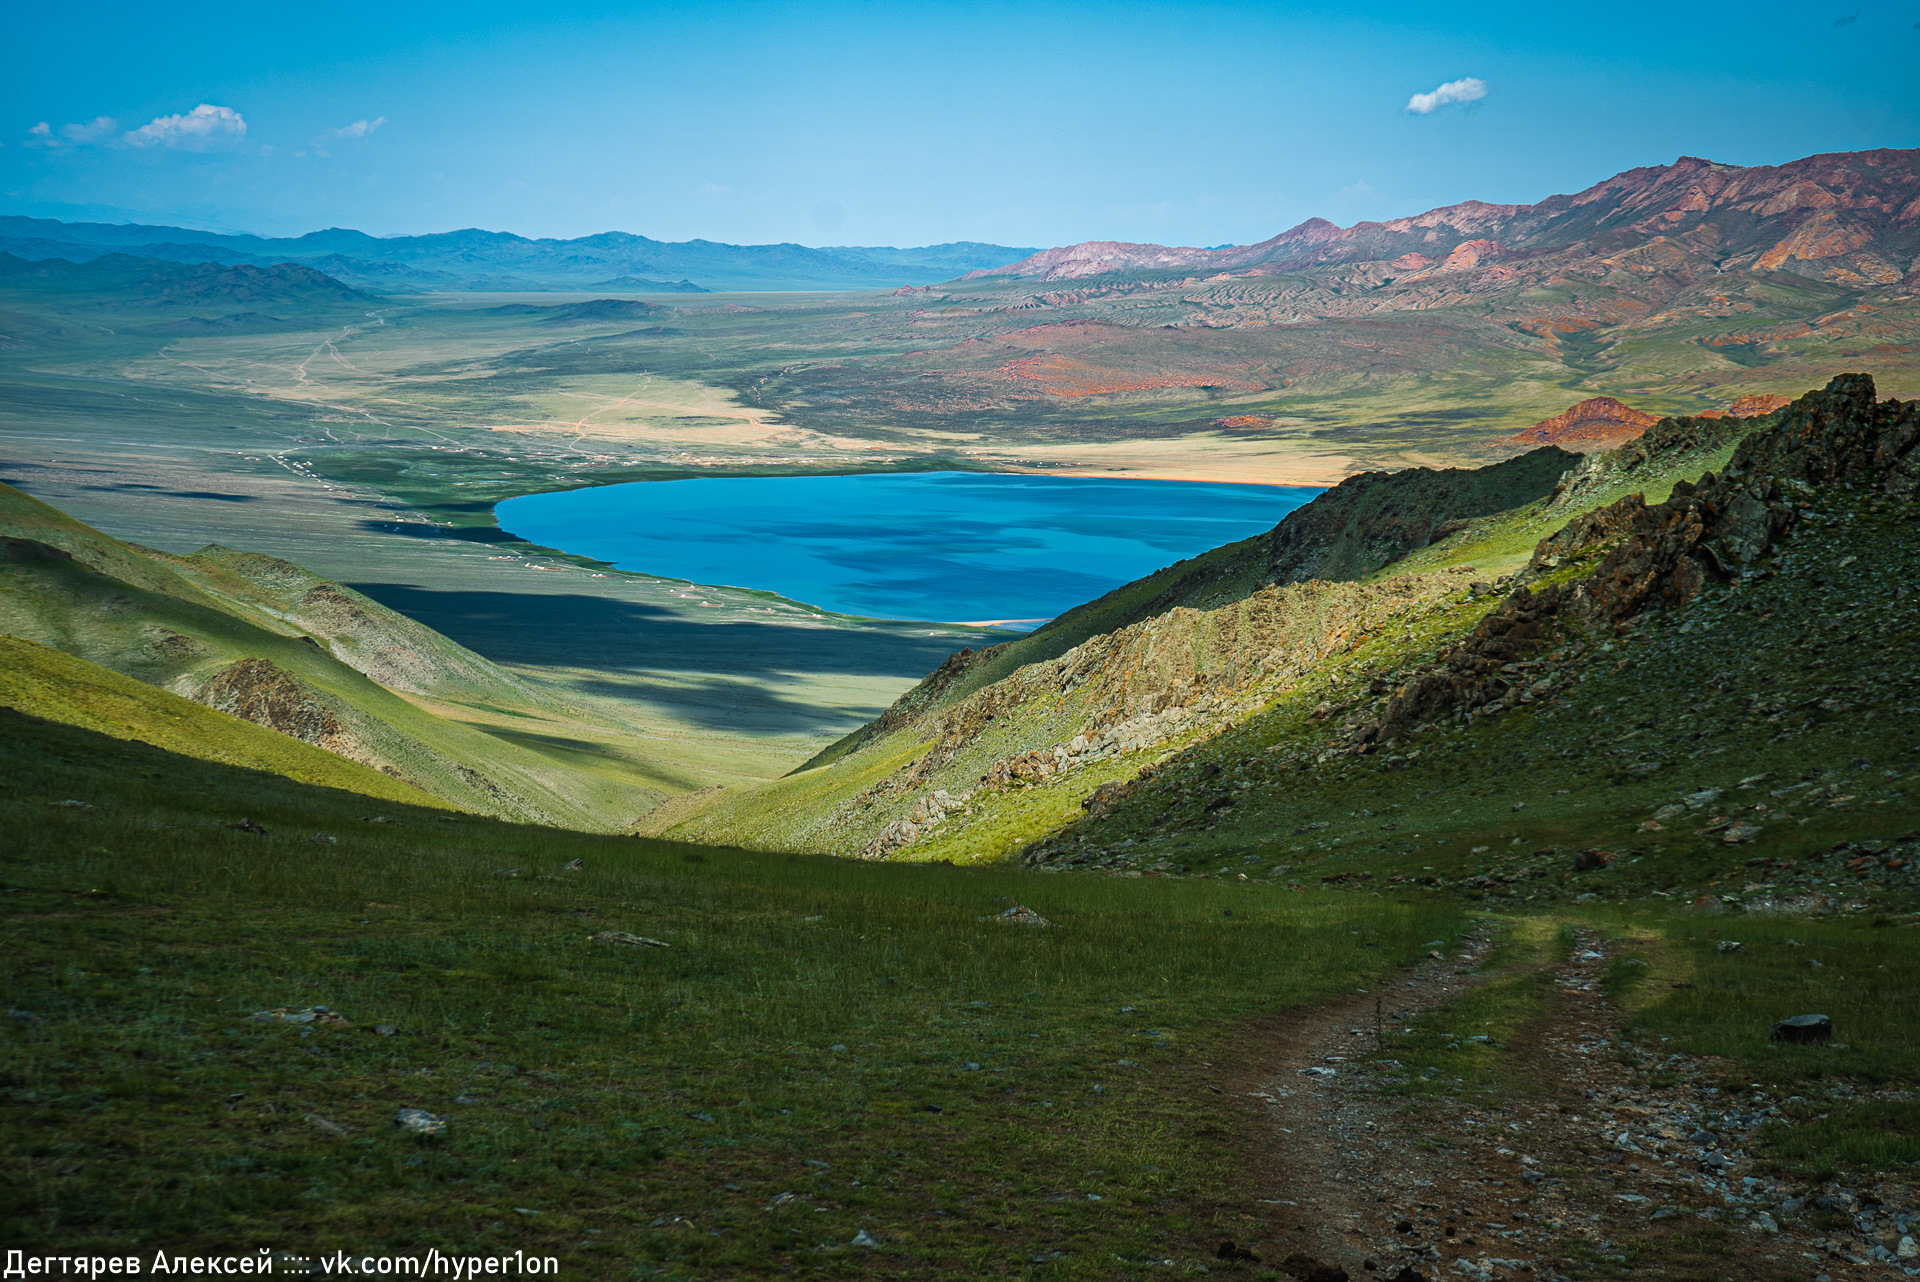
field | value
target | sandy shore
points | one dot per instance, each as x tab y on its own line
1184	459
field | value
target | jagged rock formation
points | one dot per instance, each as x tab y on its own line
1369	520
1659	556
1668	444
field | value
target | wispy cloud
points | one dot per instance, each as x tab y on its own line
1466	89
93	131
204	128
715	189
358	129
347	133
44	134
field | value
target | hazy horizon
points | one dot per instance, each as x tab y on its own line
851	125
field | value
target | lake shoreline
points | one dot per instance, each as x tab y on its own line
978	548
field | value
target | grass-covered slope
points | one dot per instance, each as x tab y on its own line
275	645
1359	525
823	1048
380	643
54	686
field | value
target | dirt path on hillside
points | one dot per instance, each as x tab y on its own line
1584	1169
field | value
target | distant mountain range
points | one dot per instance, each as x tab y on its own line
498	261
1855	216
121	281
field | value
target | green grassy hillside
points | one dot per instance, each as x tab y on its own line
822	1048
273	644
46	683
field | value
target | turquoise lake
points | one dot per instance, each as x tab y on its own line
947	546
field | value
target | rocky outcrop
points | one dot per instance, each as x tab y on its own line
1470	254
259	691
1369	520
1599	421
1667	445
922	817
1757	404
1662	554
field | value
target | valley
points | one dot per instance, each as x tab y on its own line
1411	889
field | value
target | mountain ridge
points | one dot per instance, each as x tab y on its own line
117	280
473	258
1827	203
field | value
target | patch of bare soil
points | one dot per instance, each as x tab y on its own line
1580	1168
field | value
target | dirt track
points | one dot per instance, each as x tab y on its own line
1582	1170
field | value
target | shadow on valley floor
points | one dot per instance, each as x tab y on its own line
738	704
471	533
134	487
574	630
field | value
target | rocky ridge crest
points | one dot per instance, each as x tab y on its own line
1659	556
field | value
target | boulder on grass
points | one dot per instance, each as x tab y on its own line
1803	1029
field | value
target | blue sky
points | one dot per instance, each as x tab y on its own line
909	124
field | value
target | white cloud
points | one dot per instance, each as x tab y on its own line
93	131
358	129
202	129
715	189
44	135
1467	89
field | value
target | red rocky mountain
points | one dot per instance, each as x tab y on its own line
1600	422
1849	217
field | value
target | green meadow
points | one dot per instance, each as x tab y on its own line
823	1048
861	1037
